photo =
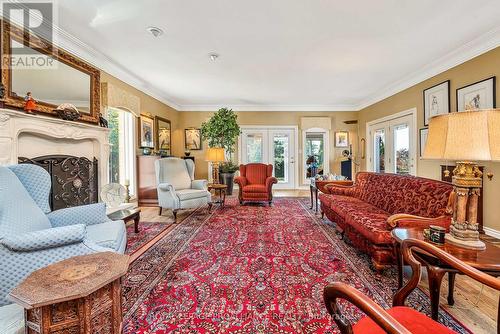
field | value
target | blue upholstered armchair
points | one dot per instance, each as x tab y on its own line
31	236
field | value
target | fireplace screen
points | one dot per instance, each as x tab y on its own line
74	179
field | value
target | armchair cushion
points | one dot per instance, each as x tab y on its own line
414	321
186	194
111	234
199	184
44	239
85	214
255	188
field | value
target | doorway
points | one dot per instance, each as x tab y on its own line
391	144
274	145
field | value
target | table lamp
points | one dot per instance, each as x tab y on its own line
215	155
465	137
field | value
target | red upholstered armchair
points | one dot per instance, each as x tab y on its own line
399	319
256	183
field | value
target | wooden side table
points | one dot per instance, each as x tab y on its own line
487	261
222	188
320	185
127	215
81	294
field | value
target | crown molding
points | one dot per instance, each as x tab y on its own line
467	51
270	107
75	46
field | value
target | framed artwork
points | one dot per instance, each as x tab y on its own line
192	139
341	139
163	135
423	139
146	126
476	96
436	100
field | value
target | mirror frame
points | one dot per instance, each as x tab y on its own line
10	31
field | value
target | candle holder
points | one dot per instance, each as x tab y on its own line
127	196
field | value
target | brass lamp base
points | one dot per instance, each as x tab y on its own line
469	244
467	183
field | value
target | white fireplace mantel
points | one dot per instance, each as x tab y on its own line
26	135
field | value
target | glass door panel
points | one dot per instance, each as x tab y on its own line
254	148
280	161
401	149
379	151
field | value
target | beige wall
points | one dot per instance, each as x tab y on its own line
149	104
479	68
195	118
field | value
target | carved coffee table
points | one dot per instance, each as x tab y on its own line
78	295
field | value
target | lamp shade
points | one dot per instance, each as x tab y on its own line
215	154
464	136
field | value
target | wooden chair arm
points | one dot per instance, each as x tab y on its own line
407	247
380	316
406	220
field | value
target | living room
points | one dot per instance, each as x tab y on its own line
249	167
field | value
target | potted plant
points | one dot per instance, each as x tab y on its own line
222	130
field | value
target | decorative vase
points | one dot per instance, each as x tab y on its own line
146	151
228	180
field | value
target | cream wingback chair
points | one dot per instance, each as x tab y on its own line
177	188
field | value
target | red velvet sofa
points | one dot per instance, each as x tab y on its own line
367	211
256	183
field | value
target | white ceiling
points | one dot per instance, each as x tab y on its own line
279	54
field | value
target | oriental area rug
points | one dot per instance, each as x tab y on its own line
251	269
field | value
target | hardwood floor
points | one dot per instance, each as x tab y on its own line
476	306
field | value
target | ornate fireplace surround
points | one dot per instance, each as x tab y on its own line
31	136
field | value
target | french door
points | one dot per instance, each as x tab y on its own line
271	145
392	146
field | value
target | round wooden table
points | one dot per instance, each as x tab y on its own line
222	188
487	261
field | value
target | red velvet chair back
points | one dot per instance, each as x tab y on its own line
256	173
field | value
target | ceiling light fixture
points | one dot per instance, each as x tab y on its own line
214	56
155	31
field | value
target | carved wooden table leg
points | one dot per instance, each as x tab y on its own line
451	288
400	264
435	275
312	197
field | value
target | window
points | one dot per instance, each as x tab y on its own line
315	153
122	147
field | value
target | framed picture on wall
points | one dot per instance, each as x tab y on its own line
146	127
163	135
423	139
476	96
192	139
341	139
436	100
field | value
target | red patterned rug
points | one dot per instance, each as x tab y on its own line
147	232
250	269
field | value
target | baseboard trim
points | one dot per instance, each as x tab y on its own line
492	232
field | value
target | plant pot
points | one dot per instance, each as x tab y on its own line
228	180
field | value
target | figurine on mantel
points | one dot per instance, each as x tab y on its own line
102	121
30	103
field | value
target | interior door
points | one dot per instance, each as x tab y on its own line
274	146
393	147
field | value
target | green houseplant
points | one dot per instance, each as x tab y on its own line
222	130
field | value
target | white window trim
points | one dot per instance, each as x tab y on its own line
326	167
369	153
